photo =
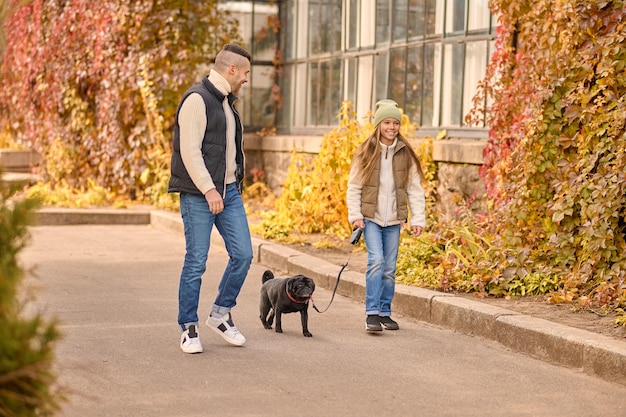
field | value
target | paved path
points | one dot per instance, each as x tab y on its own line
114	291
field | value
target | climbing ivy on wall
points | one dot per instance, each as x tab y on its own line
556	163
93	86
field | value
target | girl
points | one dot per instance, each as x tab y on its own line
384	183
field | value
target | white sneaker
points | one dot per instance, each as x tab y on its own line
226	328
190	340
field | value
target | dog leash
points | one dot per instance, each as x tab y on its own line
354	239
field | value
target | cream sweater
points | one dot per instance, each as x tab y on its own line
192	121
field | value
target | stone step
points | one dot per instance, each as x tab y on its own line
18	178
17	166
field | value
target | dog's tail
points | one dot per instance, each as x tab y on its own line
267	275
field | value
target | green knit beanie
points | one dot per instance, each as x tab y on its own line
386	109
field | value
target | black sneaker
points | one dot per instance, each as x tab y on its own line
372	324
388	323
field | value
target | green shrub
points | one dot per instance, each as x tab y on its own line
27	380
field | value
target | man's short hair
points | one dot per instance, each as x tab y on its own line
236	49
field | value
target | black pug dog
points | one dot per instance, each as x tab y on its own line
285	295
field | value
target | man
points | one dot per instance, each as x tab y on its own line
207	170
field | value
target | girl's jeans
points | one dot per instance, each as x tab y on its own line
382	253
198	222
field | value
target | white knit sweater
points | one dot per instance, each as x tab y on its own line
192	121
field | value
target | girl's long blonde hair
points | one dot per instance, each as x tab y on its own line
368	154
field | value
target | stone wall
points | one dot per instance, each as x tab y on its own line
458	161
273	155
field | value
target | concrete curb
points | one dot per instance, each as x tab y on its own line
63	216
593	354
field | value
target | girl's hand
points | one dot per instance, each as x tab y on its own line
358	223
416	230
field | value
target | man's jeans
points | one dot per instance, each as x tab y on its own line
198	222
380	277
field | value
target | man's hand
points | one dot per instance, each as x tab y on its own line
215	201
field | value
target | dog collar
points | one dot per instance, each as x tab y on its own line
294	300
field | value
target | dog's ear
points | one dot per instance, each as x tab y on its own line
294	281
309	282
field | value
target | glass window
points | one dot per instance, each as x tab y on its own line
257	20
397	75
299	95
315	37
381	68
475	67
332	92
324	99
265	36
452	84
488	101
288	23
416	15
353	24
428	55
324	92
283	118
479	17
244	15
365	83
494	23
367	25
331	26
352	80
430	85
414	74
261	103
324	26
455	17
382	21
301	30
399	19
434	17
314	88
492	47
